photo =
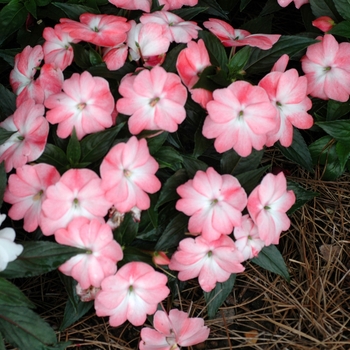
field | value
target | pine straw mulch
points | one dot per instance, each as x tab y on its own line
263	311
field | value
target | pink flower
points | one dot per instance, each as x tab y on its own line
267	206
77	193
131	294
28	141
327	68
247	237
324	23
190	64
173	330
287	92
115	57
160	258
101	30
128	172
175	28
211	262
239	117
298	3
239	37
155	100
26	190
176	4
57	48
102	251
86	103
144	5
214	203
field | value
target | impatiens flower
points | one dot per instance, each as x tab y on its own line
213	201
26	191
239	117
115	57
144	5
327	68
239	37
287	92
175	28
155	100
247	237
211	262
22	81
176	4
323	23
85	104
160	258
102	251
9	250
88	294
128	172
267	206
173	331
28	141
298	3
77	193
190	64
57	48
131	294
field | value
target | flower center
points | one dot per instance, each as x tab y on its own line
20	138
38	195
210	253
214	201
326	69
266	207
127	173
154	101
81	106
75	202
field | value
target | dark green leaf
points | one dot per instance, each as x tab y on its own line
42	2
11	295
302	196
102	71
298	152
38	258
205	82
55	156
169	63
343	151
95	146
94	57
338	129
218	295
73	11
12	17
7	102
2	344
73	149
5	135
3	181
192	165
81	56
201	143
8	55
239	60
343	7
127	231
250	179
244	4
259	24
271	6
156	142
168	157
30	5
336	109
263	60
188	13
168	191
341	29
324	8
271	259
173	233
213	8
135	254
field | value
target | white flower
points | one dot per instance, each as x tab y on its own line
8	249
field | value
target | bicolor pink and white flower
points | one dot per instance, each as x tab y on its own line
144	5
268	204
131	294
101	256
30	132
26	190
297	3
214	203
173	330
210	261
288	93
239	117
155	100
323	23
327	68
77	193
9	250
85	104
176	4
247	237
128	174
231	37
115	57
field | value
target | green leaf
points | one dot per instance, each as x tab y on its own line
239	60
7	102
168	192
341	29
205	82
127	231
2	344
38	258
324	8
218	295
5	135
343	152
192	165
271	259
338	129
30	5
3	181
302	196
73	11
81	56
135	254
169	63
188	13
156	142
42	2
298	152
201	143
336	109
343	7
271	6
251	178
173	233
12	17
168	157
213	8
263	60
55	156
216	50
8	55
73	149
95	146
11	295
244	4
94	57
